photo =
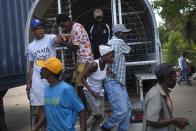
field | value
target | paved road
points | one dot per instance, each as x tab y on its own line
184	100
17	106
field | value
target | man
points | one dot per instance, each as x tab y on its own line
93	79
62	105
184	68
99	33
158	108
42	47
80	43
115	86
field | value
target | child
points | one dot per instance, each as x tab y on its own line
62	105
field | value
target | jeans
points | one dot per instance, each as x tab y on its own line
120	105
97	110
184	75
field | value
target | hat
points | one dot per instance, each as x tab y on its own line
36	22
120	28
98	13
163	70
105	49
52	64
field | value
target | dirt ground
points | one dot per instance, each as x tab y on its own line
18	117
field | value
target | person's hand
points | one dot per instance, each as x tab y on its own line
65	37
28	87
180	122
34	129
111	74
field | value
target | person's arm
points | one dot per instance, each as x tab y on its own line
179	122
29	80
109	32
180	63
79	35
31	59
124	47
71	46
83	120
91	33
41	121
110	73
65	40
92	68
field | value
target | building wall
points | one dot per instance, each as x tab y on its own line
13	16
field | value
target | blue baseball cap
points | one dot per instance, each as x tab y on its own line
36	22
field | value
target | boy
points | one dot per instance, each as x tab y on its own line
62	105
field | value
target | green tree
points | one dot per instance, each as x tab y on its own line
163	34
173	48
178	31
179	15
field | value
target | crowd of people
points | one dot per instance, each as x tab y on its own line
99	70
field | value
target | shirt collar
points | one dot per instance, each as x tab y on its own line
100	25
114	37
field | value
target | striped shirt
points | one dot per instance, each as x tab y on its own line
118	67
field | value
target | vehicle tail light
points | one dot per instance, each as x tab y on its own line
137	117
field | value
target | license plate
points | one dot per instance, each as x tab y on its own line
135	127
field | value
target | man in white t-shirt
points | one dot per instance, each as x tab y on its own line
184	68
41	48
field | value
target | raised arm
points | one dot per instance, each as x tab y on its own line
65	40
92	68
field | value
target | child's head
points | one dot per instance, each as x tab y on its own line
52	67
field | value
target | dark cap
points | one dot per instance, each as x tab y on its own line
163	70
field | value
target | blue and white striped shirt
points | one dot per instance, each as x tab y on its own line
118	67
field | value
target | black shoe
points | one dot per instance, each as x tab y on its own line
104	129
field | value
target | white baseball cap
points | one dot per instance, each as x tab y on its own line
120	28
105	49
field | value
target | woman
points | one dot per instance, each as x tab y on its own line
93	79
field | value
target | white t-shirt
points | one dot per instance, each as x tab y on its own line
39	50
